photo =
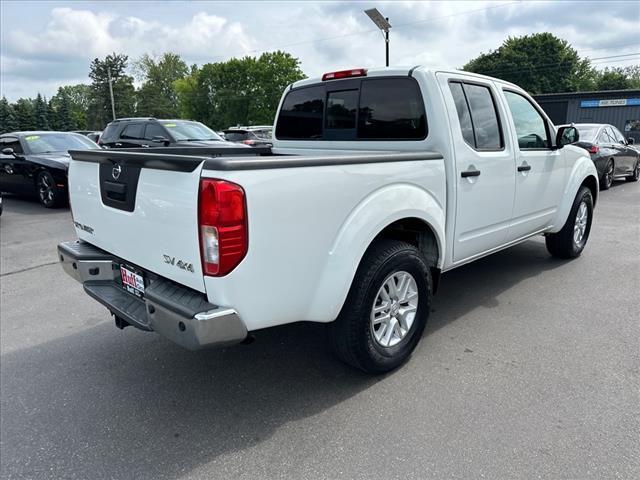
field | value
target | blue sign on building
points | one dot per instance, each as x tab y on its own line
612	102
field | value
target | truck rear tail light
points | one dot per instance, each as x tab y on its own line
222	222
593	149
354	72
248	142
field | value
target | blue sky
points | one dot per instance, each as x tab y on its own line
47	44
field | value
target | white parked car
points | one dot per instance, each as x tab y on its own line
380	180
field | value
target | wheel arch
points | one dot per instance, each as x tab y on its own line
585	174
404	212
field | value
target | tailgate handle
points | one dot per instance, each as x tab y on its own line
115	191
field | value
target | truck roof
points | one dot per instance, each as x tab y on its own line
402	71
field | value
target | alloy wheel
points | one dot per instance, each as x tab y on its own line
580	225
394	309
46	189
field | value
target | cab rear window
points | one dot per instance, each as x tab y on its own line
376	109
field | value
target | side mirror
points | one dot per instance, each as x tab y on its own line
567	136
7	151
161	139
630	140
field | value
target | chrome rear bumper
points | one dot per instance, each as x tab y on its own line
178	313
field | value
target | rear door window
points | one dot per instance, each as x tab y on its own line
391	108
301	114
478	116
486	127
133	131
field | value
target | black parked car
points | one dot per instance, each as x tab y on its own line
151	132
37	163
612	154
252	136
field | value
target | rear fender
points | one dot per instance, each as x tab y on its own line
377	211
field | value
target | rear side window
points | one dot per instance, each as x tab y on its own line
464	116
478	116
133	131
391	108
301	114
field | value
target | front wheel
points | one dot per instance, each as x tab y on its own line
49	194
636	173
571	240
386	309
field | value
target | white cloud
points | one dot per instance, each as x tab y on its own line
323	35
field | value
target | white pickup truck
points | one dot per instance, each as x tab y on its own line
378	181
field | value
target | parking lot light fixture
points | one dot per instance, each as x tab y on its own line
383	24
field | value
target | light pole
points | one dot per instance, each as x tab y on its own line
113	105
383	24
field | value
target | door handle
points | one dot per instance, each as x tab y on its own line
524	168
470	173
145	146
118	144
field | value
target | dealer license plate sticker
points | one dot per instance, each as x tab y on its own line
132	282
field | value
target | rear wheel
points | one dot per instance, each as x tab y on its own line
636	173
386	309
49	193
571	240
607	176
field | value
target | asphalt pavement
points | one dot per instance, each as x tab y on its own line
529	368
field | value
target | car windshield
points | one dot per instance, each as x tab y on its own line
58	142
587	134
190	131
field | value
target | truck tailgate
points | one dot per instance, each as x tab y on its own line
145	212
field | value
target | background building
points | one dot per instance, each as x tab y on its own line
620	108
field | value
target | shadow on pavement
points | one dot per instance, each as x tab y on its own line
107	404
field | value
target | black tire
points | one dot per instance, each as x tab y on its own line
562	244
49	194
636	173
352	334
607	175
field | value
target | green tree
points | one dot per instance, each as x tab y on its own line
40	110
52	116
157	97
613	79
78	98
8	120
99	111
239	91
64	119
539	63
25	114
188	92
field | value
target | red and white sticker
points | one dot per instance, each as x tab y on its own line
131	281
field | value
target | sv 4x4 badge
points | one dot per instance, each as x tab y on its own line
180	264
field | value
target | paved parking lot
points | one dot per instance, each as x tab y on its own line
529	368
